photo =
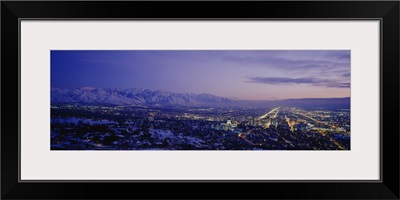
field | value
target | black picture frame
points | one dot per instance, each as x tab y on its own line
386	11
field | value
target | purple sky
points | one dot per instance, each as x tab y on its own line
240	74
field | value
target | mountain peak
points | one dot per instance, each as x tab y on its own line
87	88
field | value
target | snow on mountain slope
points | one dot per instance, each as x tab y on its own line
132	96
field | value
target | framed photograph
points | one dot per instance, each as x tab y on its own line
101	97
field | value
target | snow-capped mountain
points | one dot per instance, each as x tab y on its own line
88	95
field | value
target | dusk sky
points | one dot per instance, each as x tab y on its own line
239	74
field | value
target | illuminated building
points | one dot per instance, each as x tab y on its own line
291	123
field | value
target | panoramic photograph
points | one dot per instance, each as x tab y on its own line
158	100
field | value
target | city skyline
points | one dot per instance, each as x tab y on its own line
236	74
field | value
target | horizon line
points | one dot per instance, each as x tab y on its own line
277	99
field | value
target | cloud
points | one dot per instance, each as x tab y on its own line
293	81
310	62
346	75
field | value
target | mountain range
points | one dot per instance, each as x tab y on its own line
135	96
